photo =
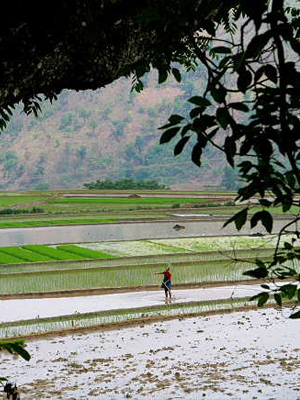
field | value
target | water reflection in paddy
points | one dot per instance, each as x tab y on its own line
123	231
22	309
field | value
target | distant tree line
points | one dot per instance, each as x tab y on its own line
33	210
124	184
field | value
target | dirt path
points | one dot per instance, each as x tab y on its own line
27	205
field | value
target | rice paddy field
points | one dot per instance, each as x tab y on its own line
241	355
35	326
89	201
128	264
126	341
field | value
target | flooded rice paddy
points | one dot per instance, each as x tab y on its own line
243	355
22	309
122	231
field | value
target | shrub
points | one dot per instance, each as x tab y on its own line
33	210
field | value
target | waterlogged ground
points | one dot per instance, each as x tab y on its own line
243	355
183	245
22	309
122	231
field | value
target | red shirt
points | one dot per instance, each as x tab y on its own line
168	275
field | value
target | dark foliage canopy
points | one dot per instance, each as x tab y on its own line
86	44
248	108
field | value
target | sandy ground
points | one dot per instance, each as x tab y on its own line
22	309
243	355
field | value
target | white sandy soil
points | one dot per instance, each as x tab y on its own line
243	355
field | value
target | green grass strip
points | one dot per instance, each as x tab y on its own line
53	253
6	201
53	223
24	254
116	200
9	259
86	253
119	262
113	277
43	325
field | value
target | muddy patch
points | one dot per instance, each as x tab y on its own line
244	355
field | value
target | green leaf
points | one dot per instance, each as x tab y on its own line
263	298
290	177
278	299
245	167
185	129
230	149
239	106
168	135
260	263
180	145
221	50
166	126
244	80
162	76
200	101
266	219
223	117
258	273
21	351
265	203
4	115
17	347
296	315
239	219
203	123
257	44
196	111
287	246
255	297
259	73
2	124
175	119
2	379
265	286
223	62
176	73
218	94
286	207
271	73
196	154
289	290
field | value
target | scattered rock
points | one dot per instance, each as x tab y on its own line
178	227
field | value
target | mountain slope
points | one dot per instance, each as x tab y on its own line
109	133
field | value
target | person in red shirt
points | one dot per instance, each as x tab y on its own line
166	283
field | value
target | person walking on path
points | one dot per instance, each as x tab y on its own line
166	283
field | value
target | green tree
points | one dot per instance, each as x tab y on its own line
66	122
14	347
254	74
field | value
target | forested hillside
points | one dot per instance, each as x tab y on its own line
111	133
